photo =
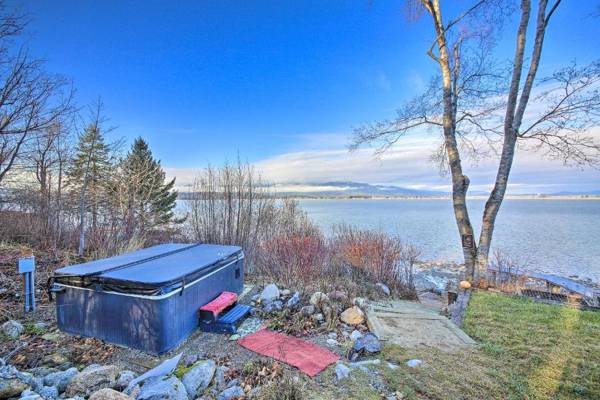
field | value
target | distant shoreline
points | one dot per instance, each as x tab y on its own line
514	197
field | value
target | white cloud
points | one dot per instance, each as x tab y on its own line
406	164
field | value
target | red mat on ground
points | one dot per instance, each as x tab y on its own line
215	307
307	357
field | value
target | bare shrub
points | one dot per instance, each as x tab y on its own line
296	259
377	257
504	272
232	205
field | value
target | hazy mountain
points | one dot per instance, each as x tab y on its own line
349	189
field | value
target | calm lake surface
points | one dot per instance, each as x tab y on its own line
554	236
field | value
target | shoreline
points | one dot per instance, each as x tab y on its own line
426	198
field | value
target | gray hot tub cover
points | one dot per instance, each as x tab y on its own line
152	271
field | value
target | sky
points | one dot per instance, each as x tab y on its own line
280	84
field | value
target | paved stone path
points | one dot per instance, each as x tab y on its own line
411	324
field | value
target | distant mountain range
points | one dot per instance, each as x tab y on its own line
358	189
349	189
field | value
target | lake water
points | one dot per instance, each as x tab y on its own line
554	236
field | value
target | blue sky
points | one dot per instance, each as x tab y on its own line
281	83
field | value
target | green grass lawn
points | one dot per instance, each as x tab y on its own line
526	350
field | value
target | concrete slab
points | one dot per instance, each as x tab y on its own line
410	324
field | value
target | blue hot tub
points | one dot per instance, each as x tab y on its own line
146	299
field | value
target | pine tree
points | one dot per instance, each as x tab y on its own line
150	199
88	175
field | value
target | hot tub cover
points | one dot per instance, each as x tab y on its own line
152	271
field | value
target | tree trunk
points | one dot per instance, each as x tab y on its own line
512	124
460	182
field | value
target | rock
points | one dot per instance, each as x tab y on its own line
337	295
26	377
341	371
108	394
364	363
161	388
230	393
198	378
392	365
359	301
355	335
318	317
12	329
332	335
40	326
93	379
233	382
465	285
220	382
384	288
11	387
353	316
30	395
368	343
124	378
52	336
308	310
191	359
273	306
48	392
234	337
270	293
55	359
292	301
414	363
43	371
332	342
285	293
60	379
318	299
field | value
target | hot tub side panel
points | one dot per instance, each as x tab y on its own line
181	310
144	323
130	321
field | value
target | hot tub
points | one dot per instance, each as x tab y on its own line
146	299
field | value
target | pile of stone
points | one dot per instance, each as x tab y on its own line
108	382
96	382
272	298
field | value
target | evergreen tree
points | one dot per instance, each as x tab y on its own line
88	176
150	199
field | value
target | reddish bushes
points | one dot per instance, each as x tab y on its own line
293	259
352	260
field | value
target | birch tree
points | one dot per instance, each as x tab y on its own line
470	104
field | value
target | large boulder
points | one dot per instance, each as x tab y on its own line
108	394
270	293
93	379
353	316
162	388
199	377
12	329
60	379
